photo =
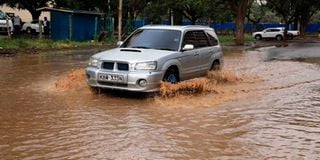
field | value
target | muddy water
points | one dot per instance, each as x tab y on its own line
276	118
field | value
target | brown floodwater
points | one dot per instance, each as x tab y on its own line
274	116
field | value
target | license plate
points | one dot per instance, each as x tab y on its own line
111	77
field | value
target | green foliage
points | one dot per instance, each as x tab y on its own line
230	39
25	43
30	5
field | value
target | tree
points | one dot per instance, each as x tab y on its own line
304	11
155	11
286	9
239	8
256	13
30	5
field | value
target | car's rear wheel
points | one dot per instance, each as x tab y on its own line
171	76
279	37
215	66
258	37
29	30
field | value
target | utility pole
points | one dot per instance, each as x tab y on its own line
8	27
171	17
119	20
40	29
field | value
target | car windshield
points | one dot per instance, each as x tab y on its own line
160	39
2	15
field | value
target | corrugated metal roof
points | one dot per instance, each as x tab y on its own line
69	11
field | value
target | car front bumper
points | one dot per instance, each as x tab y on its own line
130	80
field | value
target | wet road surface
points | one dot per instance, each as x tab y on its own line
277	118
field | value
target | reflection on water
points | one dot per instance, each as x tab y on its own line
278	118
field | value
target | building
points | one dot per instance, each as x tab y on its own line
74	25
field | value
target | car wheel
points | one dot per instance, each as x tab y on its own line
171	76
258	37
290	36
279	37
215	66
29	30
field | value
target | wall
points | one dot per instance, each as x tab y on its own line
84	27
229	27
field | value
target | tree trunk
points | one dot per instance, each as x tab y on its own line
35	14
193	21
240	29
239	9
285	34
304	21
177	17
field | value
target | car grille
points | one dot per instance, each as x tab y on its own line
120	66
108	65
113	84
123	67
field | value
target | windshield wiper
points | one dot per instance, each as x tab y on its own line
167	49
142	47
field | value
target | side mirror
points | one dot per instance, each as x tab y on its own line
119	43
188	47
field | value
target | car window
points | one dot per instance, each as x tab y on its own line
275	30
212	40
201	39
268	30
161	39
2	16
188	39
197	38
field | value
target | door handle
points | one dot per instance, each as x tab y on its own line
196	54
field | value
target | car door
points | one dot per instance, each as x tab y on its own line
189	59
215	51
204	50
35	25
268	33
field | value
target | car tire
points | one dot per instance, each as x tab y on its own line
290	36
258	37
279	37
171	76
215	66
29	30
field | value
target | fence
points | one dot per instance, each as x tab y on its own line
231	27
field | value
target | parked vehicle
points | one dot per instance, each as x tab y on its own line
31	27
4	22
277	33
152	54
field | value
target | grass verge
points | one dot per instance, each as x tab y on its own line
28	43
230	39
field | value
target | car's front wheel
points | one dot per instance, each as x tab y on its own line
171	76
29	30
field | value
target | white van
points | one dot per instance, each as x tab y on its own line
4	19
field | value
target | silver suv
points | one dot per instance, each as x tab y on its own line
152	54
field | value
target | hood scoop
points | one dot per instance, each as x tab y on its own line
130	50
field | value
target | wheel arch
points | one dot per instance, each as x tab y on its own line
175	68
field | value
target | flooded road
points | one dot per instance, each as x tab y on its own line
275	118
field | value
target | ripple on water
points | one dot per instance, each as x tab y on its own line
277	118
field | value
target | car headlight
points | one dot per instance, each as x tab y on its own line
146	66
93	62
